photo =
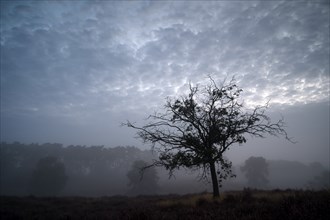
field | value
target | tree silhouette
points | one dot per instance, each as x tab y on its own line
256	172
140	181
196	129
49	177
321	181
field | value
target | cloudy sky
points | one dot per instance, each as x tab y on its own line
72	71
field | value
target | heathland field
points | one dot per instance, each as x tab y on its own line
246	204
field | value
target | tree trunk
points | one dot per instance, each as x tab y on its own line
215	183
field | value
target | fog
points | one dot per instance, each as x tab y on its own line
72	72
56	170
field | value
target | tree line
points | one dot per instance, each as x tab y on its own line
54	170
51	169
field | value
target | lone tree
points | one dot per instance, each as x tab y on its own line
256	172
196	129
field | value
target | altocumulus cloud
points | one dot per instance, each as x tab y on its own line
72	71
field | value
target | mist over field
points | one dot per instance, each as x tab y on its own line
73	71
57	170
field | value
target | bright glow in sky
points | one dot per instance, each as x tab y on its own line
72	71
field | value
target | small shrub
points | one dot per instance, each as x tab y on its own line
230	199
202	202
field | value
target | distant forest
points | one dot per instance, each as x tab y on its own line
40	169
90	171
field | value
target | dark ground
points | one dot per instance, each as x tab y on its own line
247	204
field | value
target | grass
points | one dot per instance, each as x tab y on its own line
246	204
191	200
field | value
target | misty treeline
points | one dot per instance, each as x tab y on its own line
76	170
55	170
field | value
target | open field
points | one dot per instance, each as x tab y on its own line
247	204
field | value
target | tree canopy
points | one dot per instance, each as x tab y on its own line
196	129
256	172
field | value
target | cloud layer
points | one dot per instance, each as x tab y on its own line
84	63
